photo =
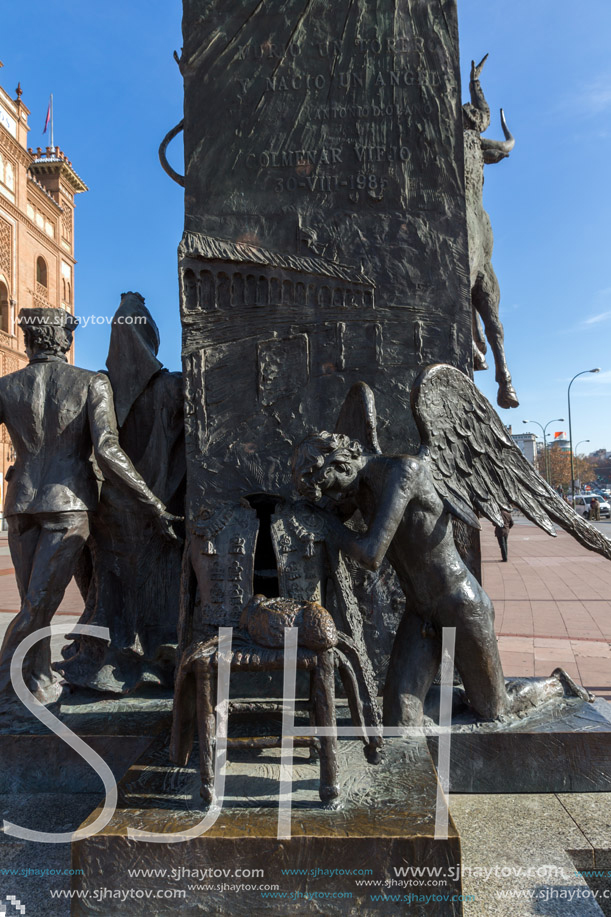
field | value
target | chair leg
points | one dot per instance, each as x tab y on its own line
312	715
324	706
206	730
357	714
367	694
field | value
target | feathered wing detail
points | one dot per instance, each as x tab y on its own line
475	463
357	417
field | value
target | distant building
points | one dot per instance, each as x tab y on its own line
561	441
37	191
527	444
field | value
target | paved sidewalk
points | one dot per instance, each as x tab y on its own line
553	605
552	602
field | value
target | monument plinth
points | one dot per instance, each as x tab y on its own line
335	862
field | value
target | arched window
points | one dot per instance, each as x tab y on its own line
68	292
41	271
5	308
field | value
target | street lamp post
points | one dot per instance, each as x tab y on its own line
583	373
576	448
544	428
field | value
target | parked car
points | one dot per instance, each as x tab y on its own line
582	505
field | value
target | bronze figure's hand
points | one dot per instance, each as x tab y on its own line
165	521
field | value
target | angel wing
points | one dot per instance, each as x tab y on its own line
357	417
475	463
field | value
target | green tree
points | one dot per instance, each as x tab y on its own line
560	468
601	465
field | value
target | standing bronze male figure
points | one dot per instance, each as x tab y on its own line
58	417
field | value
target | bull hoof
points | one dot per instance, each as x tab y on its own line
506	397
479	361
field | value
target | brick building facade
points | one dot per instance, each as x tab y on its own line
37	191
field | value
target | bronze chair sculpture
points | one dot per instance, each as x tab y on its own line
258	647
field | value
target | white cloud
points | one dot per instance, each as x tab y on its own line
597	95
601	303
590	98
596	319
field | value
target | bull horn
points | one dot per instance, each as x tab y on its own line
163	159
501	146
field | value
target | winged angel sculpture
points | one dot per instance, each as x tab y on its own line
467	465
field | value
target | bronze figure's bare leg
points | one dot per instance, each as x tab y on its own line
486	297
477	658
479	342
414	662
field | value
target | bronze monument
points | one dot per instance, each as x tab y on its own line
56	415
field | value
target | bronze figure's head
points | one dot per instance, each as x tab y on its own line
325	462
47	331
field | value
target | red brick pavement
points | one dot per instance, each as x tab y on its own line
553	605
552	602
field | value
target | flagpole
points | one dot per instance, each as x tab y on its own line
52	142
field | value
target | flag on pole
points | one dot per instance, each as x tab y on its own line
49	114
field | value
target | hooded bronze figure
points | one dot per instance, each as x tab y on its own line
135	587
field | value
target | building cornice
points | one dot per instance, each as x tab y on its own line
55	165
16	106
14	148
18	214
47	194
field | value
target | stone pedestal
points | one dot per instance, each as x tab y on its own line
334	863
35	760
564	748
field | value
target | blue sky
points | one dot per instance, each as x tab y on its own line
117	91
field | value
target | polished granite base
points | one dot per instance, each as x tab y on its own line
386	823
563	747
120	729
